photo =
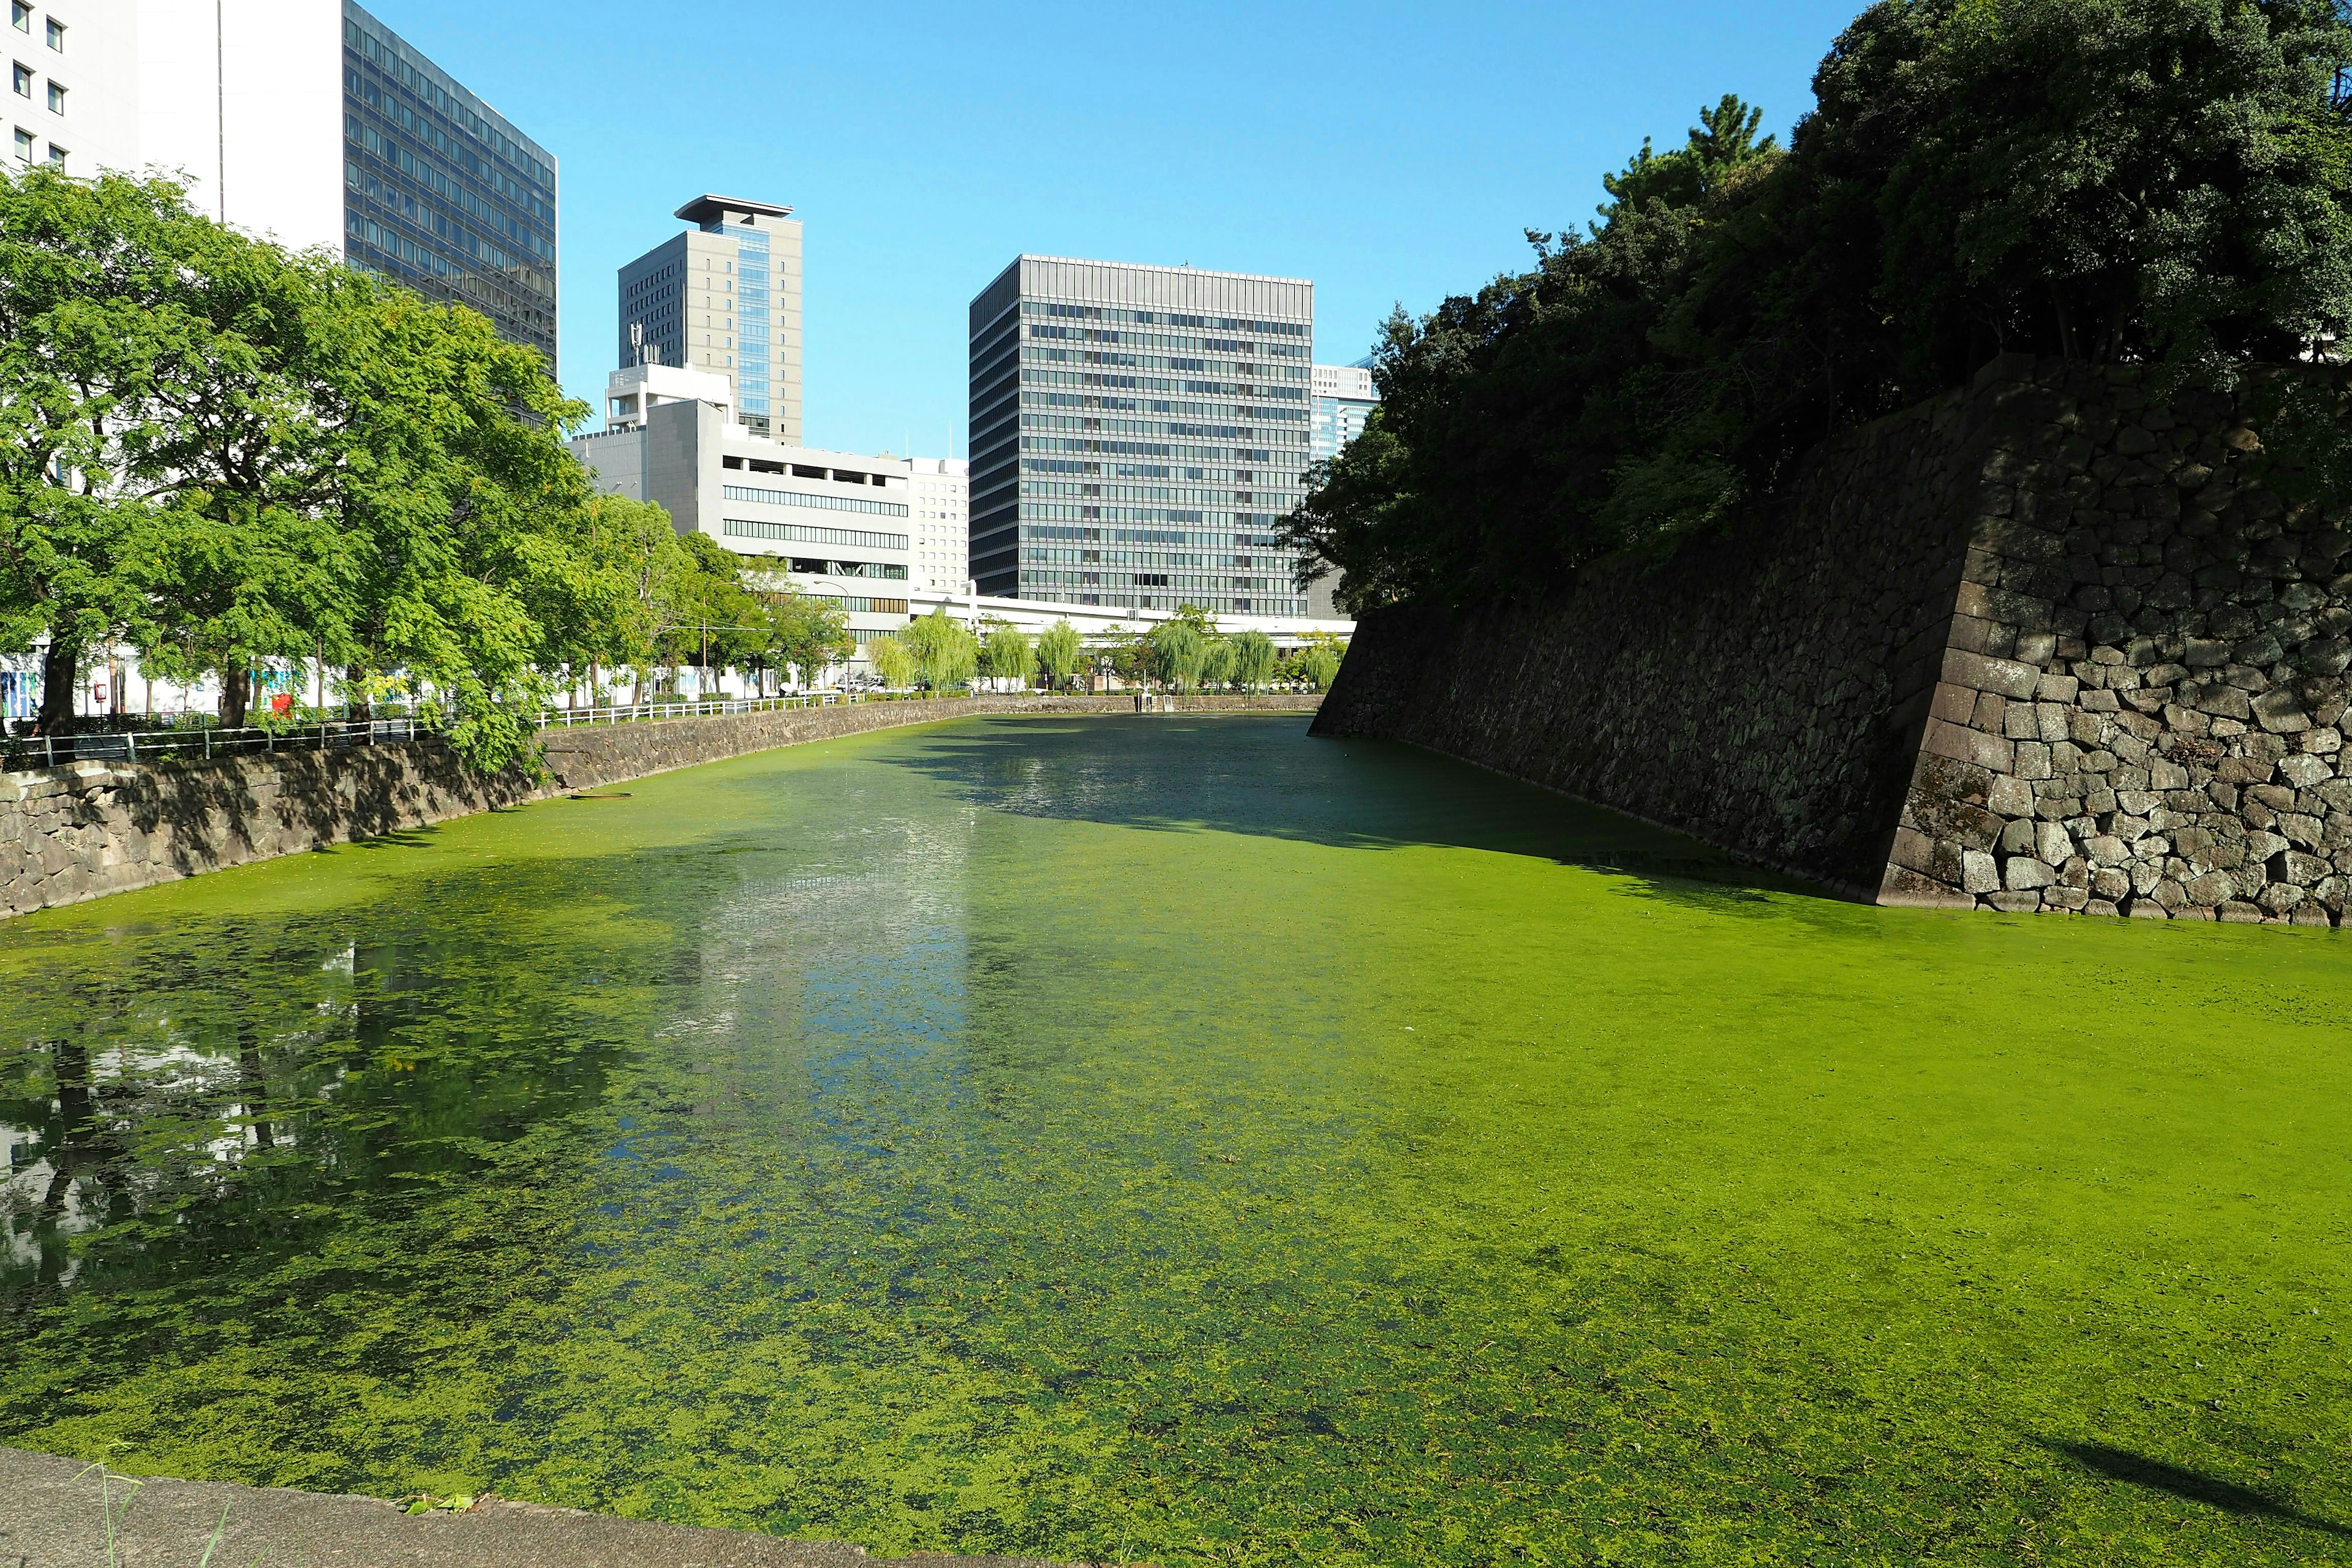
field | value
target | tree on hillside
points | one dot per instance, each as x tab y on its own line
1059	649
2152	181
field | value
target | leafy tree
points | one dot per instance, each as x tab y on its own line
1216	661
1009	655
804	631
1255	658
1177	651
1318	659
1059	649
2155	182
893	661
946	654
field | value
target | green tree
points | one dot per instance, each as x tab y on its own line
2158	182
1318	659
946	653
1059	649
805	632
1255	657
1009	655
1176	649
1216	661
893	661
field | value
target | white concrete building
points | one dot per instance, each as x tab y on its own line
1345	396
839	523
308	121
943	519
1095	621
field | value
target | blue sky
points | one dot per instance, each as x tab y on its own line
1391	152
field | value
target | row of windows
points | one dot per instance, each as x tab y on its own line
827	503
853	605
1181	365
1048	308
1167	343
387	56
801	533
27	143
432	182
20	16
1040	377
881	570
23	80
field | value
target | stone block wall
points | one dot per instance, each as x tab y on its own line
90	828
2047	644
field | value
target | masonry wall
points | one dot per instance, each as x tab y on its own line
2050	643
77	832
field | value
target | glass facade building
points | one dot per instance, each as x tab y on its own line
1345	397
1137	433
724	297
440	192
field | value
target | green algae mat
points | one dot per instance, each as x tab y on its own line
1179	1140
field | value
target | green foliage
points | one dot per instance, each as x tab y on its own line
2157	181
217	453
1059	651
1255	658
1216	661
892	661
1177	651
1317	660
803	631
1008	655
946	653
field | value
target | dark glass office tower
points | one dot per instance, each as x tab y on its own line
440	192
1137	433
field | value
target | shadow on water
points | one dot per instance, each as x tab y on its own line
1262	776
2122	1465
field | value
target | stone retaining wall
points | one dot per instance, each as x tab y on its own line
2048	643
89	829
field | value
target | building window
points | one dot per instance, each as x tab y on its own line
23	82
21	14
56	155
56	99
57	34
24	144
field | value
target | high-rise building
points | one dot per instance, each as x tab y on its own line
724	297
306	121
941	515
1344	398
1137	433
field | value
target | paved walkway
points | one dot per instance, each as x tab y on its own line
50	1518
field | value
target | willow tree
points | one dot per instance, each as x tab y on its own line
1059	648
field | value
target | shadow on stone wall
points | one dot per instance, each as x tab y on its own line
2047	643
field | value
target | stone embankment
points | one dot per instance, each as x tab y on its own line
90	828
2052	642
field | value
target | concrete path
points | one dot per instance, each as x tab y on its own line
50	1516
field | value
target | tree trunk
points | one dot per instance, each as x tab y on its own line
237	691
60	668
355	702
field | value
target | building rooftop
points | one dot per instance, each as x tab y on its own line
708	208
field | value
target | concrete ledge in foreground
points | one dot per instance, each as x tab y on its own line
50	1518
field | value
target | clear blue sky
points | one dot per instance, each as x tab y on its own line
1391	152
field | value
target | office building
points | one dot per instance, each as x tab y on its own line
1344	398
306	121
724	297
1137	434
836	522
942	519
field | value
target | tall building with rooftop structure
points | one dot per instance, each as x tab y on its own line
309	121
1137	434
724	297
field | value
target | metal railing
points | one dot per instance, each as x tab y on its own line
634	713
19	752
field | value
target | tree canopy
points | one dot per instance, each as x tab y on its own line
2157	181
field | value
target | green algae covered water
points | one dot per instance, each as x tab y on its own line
1179	1140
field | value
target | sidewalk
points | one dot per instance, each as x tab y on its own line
49	1519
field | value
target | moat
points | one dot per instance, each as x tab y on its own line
1173	1139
